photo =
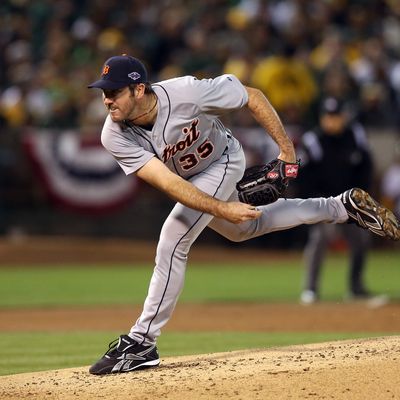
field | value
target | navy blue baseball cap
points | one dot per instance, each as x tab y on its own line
120	71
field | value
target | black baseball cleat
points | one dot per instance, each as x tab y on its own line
124	355
367	213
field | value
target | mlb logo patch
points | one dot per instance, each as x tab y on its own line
134	75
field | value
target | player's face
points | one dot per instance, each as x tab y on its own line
120	103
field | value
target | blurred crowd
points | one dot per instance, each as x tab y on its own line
296	51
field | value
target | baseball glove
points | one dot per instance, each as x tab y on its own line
264	184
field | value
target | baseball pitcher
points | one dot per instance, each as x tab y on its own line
169	134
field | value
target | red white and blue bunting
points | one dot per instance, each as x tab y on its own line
79	174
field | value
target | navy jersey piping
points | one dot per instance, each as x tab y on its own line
166	122
136	130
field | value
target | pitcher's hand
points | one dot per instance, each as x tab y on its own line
237	212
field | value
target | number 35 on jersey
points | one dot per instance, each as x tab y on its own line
189	160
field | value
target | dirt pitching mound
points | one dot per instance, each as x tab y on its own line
354	369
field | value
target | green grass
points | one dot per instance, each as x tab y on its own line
265	281
121	284
28	352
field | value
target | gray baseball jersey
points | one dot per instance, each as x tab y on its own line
187	135
191	140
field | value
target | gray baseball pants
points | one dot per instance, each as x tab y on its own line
184	225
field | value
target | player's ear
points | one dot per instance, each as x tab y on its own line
137	90
132	89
